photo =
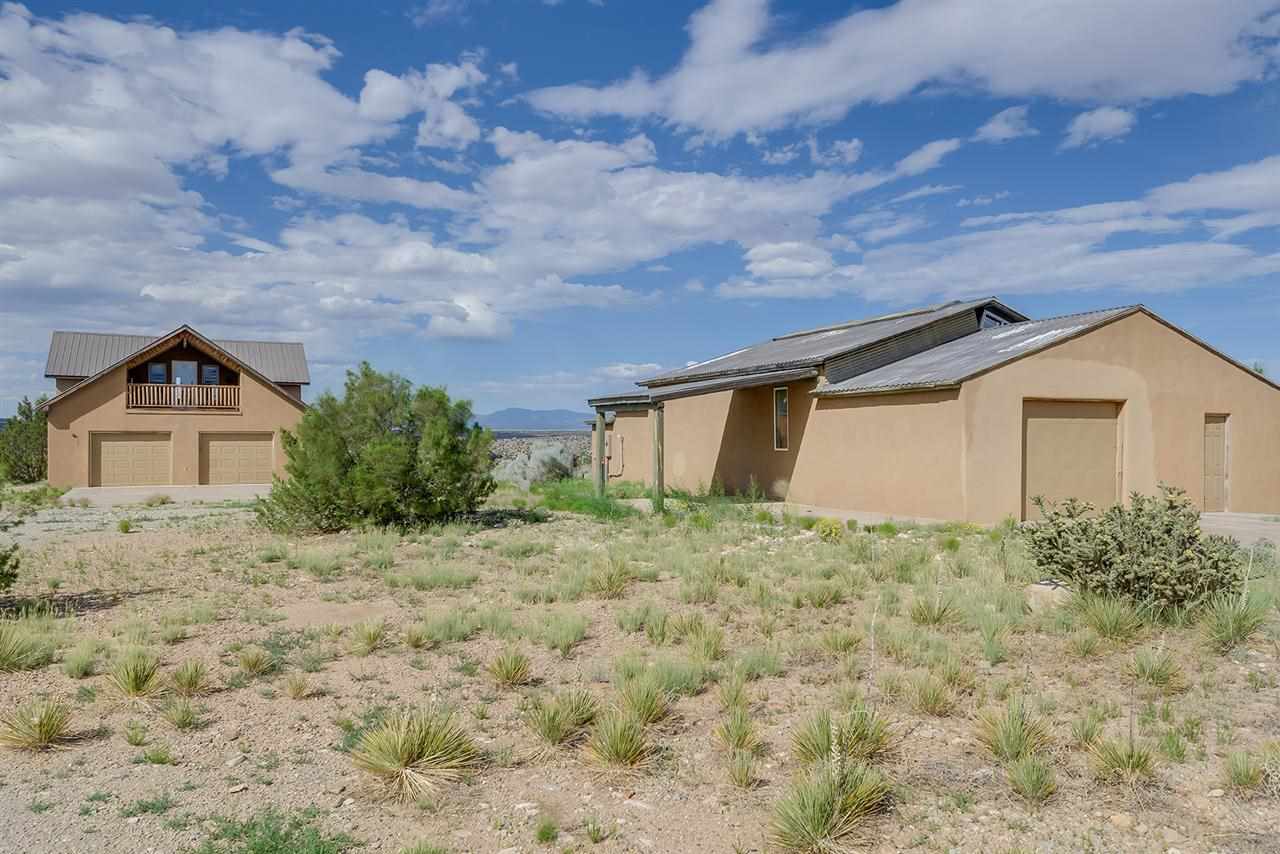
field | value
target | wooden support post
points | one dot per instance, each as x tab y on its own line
658	485
602	465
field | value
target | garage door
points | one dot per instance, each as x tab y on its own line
235	458
1069	451
129	459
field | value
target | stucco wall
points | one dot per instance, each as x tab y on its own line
1166	384
100	408
901	454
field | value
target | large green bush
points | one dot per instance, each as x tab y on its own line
24	444
384	454
1151	552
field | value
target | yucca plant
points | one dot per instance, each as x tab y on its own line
37	724
1158	668
19	649
1231	619
862	734
618	740
645	699
1086	729
511	668
182	714
825	806
1124	761
737	732
135	675
1109	616
1032	778
369	636
742	768
1013	733
562	719
190	678
930	695
1242	771
412	751
297	686
933	610
255	661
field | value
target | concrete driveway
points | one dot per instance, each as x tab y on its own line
1248	528
114	496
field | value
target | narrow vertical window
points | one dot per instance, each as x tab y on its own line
781	421
157	372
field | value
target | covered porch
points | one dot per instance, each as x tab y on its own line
650	403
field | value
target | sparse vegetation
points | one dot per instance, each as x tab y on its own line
36	725
412	752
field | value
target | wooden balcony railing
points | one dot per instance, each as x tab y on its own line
179	396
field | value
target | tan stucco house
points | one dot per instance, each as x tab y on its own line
966	410
139	410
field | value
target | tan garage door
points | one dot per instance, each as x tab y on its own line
235	457
129	459
1069	451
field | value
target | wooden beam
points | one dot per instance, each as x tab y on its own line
601	467
659	486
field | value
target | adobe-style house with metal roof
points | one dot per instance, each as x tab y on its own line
966	410
174	409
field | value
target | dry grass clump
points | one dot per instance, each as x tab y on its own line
183	714
1230	620
564	718
369	636
1013	733
297	686
511	668
1123	761
619	741
1110	617
255	661
1032	778
135	675
737	732
411	752
862	734
190	679
21	649
826	805
38	724
645	698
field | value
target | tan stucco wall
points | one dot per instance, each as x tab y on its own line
900	454
100	408
1165	383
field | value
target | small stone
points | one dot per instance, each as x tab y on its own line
133	819
1170	835
234	760
346	802
1045	595
238	787
1216	793
1122	820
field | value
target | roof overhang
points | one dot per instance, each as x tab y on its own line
182	335
656	396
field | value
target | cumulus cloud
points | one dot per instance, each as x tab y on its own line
1100	125
736	77
1006	125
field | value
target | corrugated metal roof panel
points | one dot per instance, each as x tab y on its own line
815	346
956	361
83	354
689	389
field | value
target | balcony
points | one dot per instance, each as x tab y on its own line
181	396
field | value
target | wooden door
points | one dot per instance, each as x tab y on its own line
1215	463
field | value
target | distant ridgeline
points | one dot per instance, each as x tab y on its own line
535	420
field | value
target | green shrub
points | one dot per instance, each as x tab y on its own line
827	805
382	454
1151	552
829	530
412	751
24	451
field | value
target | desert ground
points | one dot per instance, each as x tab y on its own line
750	626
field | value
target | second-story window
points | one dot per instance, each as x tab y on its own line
156	372
209	374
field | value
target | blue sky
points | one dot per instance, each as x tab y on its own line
530	202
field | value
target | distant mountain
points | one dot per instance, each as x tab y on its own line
535	419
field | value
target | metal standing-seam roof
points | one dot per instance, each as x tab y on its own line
643	397
83	354
812	347
950	364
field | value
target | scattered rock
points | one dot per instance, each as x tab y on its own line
238	787
1122	820
234	760
1216	793
1045	595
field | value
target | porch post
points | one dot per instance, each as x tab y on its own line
658	450
601	462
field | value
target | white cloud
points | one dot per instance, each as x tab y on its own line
841	152
736	76
982	200
1249	186
788	260
1100	125
926	157
434	11
924	192
1006	125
